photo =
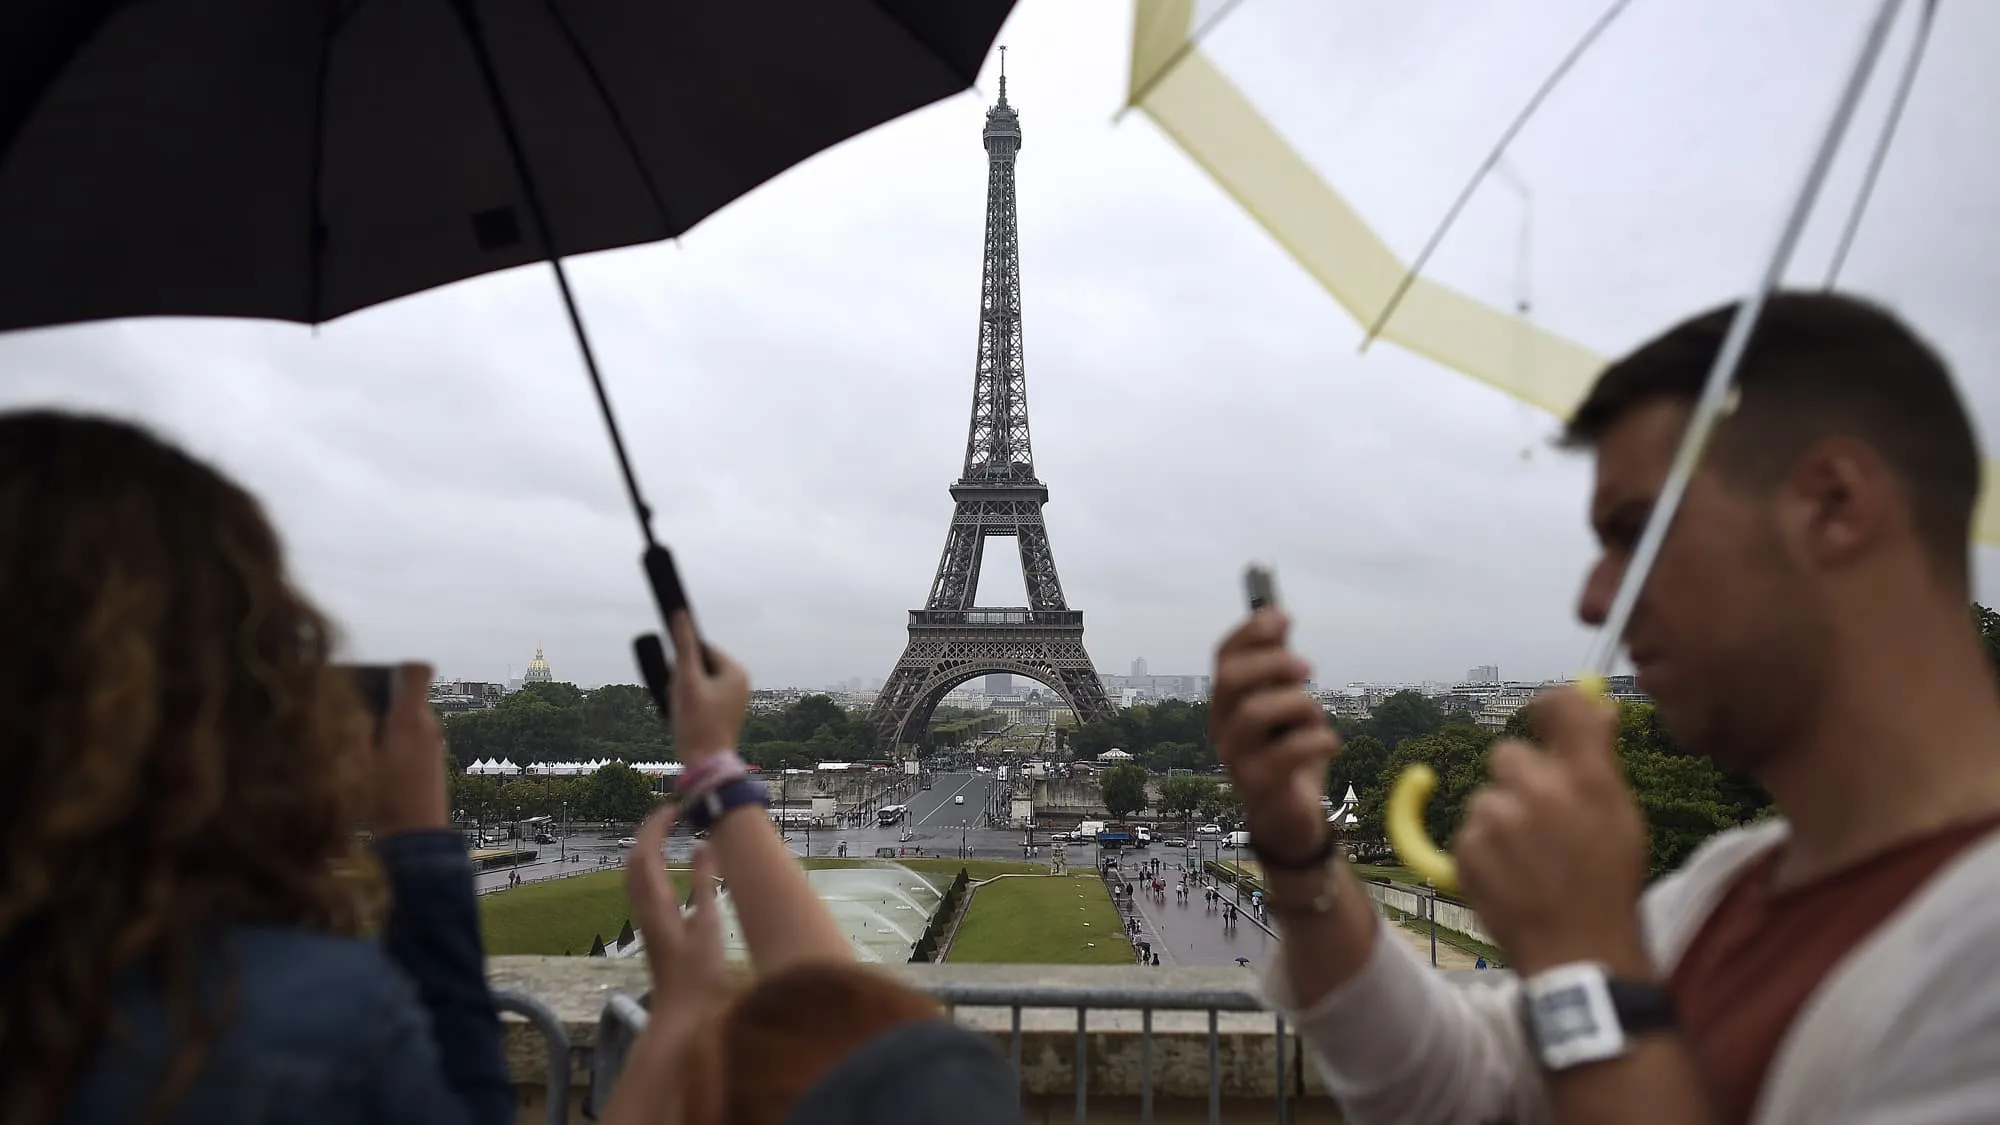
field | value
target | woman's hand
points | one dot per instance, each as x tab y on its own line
708	706
683	951
406	761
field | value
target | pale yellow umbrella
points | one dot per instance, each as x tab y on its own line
1219	126
1207	113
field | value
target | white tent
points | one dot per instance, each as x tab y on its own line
1114	755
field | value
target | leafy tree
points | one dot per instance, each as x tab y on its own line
779	755
1186	796
1164	756
1404	715
1683	800
1139	730
619	792
1360	764
1223	806
1124	789
1456	753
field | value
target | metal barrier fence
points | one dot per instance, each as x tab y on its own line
624	1018
554	1038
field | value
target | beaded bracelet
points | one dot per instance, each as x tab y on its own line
712	772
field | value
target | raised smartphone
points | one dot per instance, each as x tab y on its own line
1259	587
377	684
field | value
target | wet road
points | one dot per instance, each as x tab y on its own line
1192	932
937	824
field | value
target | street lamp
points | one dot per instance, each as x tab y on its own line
562	841
1431	909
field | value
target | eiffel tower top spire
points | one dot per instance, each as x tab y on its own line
997	450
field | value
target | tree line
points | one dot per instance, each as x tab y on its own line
564	723
552	722
1685	798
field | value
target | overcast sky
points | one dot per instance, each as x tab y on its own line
795	374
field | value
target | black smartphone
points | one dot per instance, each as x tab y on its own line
1259	587
377	684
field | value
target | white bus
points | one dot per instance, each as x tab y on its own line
891	814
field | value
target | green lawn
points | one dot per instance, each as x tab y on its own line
562	916
975	869
1395	873
1042	921
556	916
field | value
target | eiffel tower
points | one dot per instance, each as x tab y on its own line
951	640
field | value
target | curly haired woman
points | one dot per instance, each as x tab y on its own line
191	928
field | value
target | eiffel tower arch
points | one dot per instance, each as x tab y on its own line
951	639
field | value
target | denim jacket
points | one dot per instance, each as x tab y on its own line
328	1030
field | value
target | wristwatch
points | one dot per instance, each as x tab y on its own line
1578	1014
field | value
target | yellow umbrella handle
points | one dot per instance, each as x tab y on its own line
1403	815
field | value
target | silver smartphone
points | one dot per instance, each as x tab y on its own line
1260	587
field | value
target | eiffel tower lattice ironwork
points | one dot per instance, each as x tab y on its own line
952	640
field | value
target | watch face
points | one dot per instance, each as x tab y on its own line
1563	1015
1571	1017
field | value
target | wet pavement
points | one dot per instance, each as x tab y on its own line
1192	931
937	824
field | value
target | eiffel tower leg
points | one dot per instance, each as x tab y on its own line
941	657
957	581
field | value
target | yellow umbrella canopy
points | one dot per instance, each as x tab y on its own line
1664	146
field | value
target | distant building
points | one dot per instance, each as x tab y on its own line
999	683
1142	688
1139	668
538	670
465	695
1484	674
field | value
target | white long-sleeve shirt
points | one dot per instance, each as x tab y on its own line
1904	1031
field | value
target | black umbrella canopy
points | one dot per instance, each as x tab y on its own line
302	160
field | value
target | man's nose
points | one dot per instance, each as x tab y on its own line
1599	587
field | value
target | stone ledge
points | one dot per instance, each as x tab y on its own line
576	988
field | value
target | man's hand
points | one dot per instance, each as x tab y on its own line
1274	738
406	761
1552	853
708	706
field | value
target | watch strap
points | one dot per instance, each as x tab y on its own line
1643	1007
709	806
1321	855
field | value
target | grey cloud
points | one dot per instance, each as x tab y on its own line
795	376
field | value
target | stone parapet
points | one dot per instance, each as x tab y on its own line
1253	1068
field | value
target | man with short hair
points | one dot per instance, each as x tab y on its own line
1806	622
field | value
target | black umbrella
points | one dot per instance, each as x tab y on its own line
300	160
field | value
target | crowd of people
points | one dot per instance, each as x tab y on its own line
195	931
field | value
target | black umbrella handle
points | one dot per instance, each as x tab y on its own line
665	579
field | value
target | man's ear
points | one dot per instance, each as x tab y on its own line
1838	501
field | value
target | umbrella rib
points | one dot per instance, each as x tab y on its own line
538	213
1186	48
617	119
1513	130
1882	143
